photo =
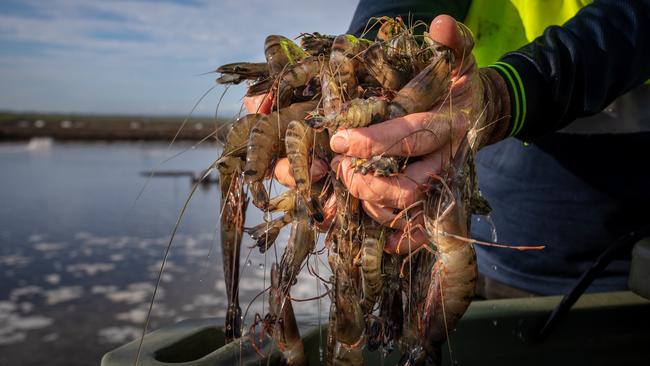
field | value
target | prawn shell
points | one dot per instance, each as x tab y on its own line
285	333
454	274
359	113
237	72
316	44
233	211
237	137
299	140
266	233
295	76
301	242
283	202
281	51
424	90
372	250
376	65
344	62
267	137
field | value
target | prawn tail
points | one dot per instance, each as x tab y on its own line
315	210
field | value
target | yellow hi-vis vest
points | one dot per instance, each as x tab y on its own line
501	26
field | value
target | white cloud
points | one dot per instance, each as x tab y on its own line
72	60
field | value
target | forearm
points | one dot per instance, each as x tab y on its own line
497	108
577	69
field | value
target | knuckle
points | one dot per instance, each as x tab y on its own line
407	197
368	147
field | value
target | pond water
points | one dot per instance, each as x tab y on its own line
79	254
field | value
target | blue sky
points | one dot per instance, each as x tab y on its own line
141	57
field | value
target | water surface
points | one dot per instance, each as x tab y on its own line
79	256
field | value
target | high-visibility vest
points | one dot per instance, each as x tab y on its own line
501	26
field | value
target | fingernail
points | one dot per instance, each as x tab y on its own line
339	144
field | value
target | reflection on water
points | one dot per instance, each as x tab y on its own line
78	259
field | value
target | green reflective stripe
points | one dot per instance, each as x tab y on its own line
515	118
522	93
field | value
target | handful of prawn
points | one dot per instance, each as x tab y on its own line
333	83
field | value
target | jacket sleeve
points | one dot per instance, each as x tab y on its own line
410	10
577	69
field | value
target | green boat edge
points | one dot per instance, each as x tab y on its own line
610	328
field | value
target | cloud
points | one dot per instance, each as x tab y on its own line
140	56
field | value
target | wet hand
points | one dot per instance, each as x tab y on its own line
430	137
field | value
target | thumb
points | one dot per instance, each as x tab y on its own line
450	33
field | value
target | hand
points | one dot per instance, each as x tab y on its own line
259	103
475	104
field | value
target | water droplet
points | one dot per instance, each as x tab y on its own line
248	263
193	147
494	322
267	216
261	266
494	238
478	219
494	267
320	353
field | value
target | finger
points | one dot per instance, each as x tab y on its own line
283	174
398	191
455	35
412	135
404	243
430	165
259	103
394	218
446	31
329	211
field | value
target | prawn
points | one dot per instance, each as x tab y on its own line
265	144
299	142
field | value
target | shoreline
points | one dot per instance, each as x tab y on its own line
16	126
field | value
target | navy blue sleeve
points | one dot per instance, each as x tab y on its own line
577	69
409	10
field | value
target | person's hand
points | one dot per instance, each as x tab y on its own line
476	103
259	103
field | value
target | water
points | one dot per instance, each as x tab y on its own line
78	259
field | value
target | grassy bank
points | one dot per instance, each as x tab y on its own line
21	126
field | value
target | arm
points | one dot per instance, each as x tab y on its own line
563	75
576	70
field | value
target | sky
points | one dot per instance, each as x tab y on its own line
142	57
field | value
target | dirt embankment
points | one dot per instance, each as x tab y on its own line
15	126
